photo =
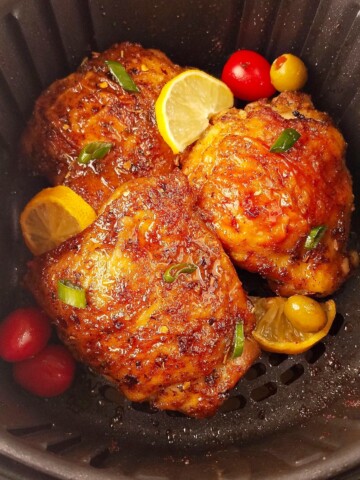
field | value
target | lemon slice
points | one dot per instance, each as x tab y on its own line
185	105
275	333
52	216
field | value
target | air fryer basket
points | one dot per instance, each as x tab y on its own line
291	417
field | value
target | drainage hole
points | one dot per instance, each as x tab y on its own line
144	407
255	371
315	352
233	403
292	374
22	432
60	447
173	413
98	461
276	359
337	324
265	391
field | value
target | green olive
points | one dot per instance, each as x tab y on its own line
288	72
304	313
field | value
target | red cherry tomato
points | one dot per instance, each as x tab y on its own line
48	374
247	74
23	333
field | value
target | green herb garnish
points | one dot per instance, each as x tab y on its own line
174	271
239	340
71	294
93	151
121	75
314	237
285	141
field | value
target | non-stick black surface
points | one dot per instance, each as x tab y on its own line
291	416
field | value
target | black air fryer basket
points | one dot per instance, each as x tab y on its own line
291	417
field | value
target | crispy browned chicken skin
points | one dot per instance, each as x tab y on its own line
90	105
168	343
263	205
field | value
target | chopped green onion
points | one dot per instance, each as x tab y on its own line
71	294
239	340
314	237
121	75
285	141
174	271
93	151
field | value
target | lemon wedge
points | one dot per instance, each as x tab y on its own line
275	332
185	105
52	216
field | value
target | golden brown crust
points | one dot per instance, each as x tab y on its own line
290	105
89	105
263	205
208	393
148	336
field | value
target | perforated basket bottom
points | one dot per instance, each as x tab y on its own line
94	425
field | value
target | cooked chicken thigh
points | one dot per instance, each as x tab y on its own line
170	343
267	207
90	106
